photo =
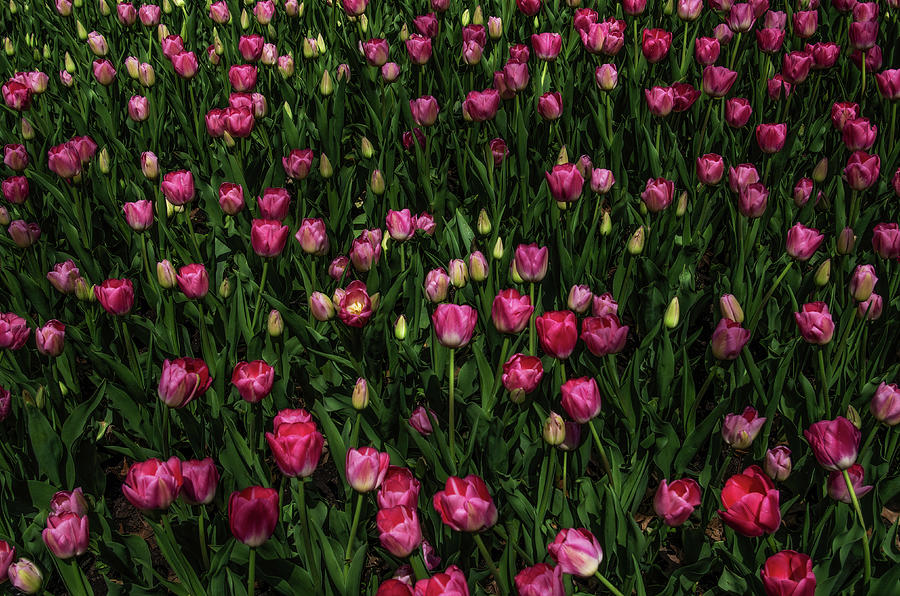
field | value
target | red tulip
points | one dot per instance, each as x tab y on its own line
788	573
66	535
400	488
770	39
685	95
751	503
268	236
674	503
658	194
521	375
201	479
450	583
737	112
465	504
815	323
153	484
7	554
182	380
454	324
253	514
50	338
546	46
296	445
717	80
604	335
366	468
253	380
399	530
481	105
835	443
837	486
655	44
576	551
116	296
581	399
557	332
802	242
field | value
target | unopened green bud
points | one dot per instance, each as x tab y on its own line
853	416
375	299
105	10
478	16
103	160
681	206
731	308
846	241
27	130
229	140
635	245
669	7
360	397
310	48
4	216
820	172
404	33
225	288
83	290
275	324
673	313
69	64
80	31
484	223
605	224
376	182
400	328
325	169
497	253
165	274
47	53
466	18
366	148
326	86
554	429
459	273
245	20
364	23
13	9
320	43
167	7
514	272
288	112
823	273
563	157
478	266
8	47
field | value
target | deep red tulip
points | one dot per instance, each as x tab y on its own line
557	332
655	44
253	514
253	380
200	481
788	573
581	399
750	503
604	335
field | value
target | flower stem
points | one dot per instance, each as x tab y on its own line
531	344
452	430
251	574
490	563
262	285
190	225
129	346
768	295
359	503
304	521
608	585
602	452
862	522
201	534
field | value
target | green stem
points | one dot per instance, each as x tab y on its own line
499	375
354	434
564	470
602	452
862	522
753	319
251	574
823	394
144	258
132	356
359	503
304	521
452	430
531	345
490	563
892	448
201	533
608	585
862	92
190	225
262	285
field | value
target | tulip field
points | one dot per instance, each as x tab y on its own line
421	297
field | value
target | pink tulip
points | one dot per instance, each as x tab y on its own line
858	133
399	530
200	481
104	73
802	242
354	8
64	160
604	304
771	137
835	443
740	17
655	44
737	112
400	488
23	234
885	404
437	283
50	338
540	580
17	96
717	80
298	163
418	47
528	7
580	298
366	468
116	296
253	380
139	215
706	50
752	200
750	503
355	306
313	237
658	194
581	399
770	39
710	168
14	331
465	504
450	583
660	100
871	308
576	551
242	77
193	280
454	324
420	421
837	486
778	463
66	535
178	187
886	240
296	446
815	323
511	311
604	335
674	503
550	107
862	168
480	106
153	484
889	83
253	514
15	189
739	430
862	282
546	46
521	375
182	380
231	198
684	96
531	262
63	276
557	332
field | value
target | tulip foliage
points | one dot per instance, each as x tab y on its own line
536	297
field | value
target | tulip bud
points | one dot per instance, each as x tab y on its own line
165	274
325	169
27	130
459	273
225	288
465	18
245	20
478	266
681	206
497	253
673	312
514	272
326	87
495	28
8	47
320	43
39	398
635	245
167	7
47	52
360	397
823	273
69	64
478	16
484	223
80	31
366	148
853	416
400	328
554	429
731	308
846	241
404	33
103	160
4	216
25	575
563	157
605	224
105	9
275	324
83	290
12	7
385	243
820	172
669	8
376	300
149	165
376	183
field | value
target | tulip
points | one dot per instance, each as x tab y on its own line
200	480
739	430
376	52
802	242
737	112
64	161
50	338
675	502
550	108
15	189
858	133
354	8
401	225
689	10
66	535
355	305
424	110
837	486
116	296
165	274
69	501
465	504
771	137
788	573
139	215
740	17
400	488
25	575
871	308
728	339
153	484
17	96
178	187
15	157
862	282
531	262
104	73
364	253
454	324
366	468
437	283
268	237
581	399
862	169
296	445
23	234
546	46
321	307
7	554
421	421
565	182
540	580
185	64
313	237
182	380
242	77
450	583
580	298
885	404
604	334
14	331
658	194
231	198
886	240
706	50
606	76
253	380
480	106
399	530
660	100
889	83
253	514
717	80
557	332
602	180
5	409
862	35
750	503
802	191
815	323
604	304
685	96
770	39
418	47
835	443
778	463
710	168
521	375
576	551
193	280
297	163
511	311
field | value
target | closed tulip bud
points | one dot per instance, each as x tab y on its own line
739	430
80	31
69	64
731	308
497	252
846	241
484	223
8	47
862	283
245	20
25	576
165	274
4	216
275	324
823	273
459	273
83	290
400	328
635	244
103	160
366	149
478	16
326	86
853	417
465	18
360	397
820	172
672	315
554	429
605	224
478	266
376	182
27	130
681	204
325	169
225	288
